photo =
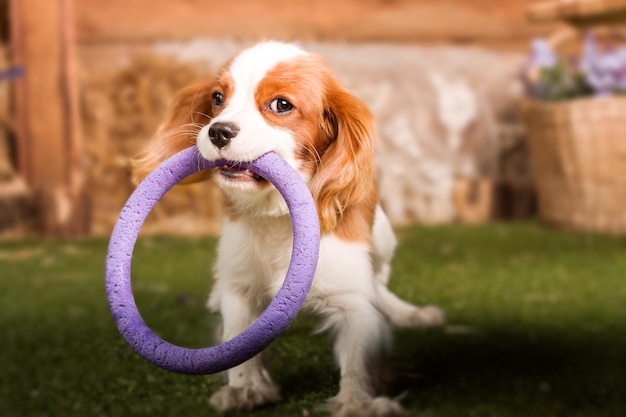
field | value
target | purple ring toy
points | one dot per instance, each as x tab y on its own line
272	322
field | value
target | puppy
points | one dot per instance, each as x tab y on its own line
277	97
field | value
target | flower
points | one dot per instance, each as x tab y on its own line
597	71
604	71
541	54
11	73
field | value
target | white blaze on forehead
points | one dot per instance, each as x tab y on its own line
251	66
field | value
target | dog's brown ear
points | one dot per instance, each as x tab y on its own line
345	176
189	112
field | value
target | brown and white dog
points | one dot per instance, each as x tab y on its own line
277	97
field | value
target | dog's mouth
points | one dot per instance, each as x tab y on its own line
240	174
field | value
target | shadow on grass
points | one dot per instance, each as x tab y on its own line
503	373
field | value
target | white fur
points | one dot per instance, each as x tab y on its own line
349	291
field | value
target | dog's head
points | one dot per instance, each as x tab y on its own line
276	97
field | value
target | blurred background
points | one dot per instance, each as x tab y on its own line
508	114
85	84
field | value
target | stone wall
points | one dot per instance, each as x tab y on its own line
443	114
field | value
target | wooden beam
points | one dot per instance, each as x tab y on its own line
582	13
496	23
47	122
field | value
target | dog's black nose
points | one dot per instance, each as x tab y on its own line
221	133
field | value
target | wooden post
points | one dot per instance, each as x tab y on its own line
473	200
47	119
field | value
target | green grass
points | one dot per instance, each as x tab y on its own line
537	327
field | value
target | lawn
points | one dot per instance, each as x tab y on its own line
537	327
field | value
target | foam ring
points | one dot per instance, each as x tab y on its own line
271	323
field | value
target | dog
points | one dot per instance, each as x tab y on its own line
277	97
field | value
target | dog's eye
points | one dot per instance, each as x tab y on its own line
218	99
281	106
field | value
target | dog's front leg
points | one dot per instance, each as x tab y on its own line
361	333
249	384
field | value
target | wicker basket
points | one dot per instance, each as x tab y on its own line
578	155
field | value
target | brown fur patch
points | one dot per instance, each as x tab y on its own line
333	130
190	110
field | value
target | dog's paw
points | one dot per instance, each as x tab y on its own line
375	407
229	398
428	316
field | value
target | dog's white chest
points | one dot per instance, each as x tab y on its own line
254	254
